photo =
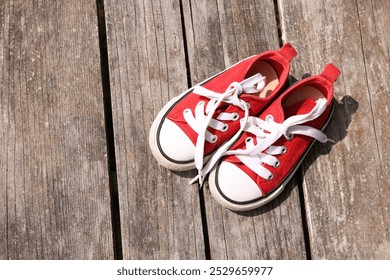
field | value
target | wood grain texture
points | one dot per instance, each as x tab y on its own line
220	33
54	193
160	211
346	185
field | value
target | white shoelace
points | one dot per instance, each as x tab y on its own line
267	132
204	116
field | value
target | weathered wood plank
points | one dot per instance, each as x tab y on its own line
346	186
160	212
220	33
54	193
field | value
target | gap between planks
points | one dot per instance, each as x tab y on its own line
113	185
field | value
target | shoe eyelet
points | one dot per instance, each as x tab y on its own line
248	139
236	116
284	150
225	127
248	105
201	103
277	164
269	118
186	111
270	177
290	137
214	139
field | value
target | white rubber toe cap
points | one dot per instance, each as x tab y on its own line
174	143
236	185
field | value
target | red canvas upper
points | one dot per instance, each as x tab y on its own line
279	60
297	146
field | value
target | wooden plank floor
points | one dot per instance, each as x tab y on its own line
147	68
54	195
79	90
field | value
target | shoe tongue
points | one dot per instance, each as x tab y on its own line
300	108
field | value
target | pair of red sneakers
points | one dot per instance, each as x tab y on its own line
244	129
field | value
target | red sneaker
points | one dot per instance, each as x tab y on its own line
196	123
261	162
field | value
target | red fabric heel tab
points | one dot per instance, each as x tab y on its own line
288	51
330	72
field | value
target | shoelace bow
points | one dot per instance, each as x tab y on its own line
203	117
267	132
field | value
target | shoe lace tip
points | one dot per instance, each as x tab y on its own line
261	85
200	179
194	179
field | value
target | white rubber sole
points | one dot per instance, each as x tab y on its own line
239	207
154	130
